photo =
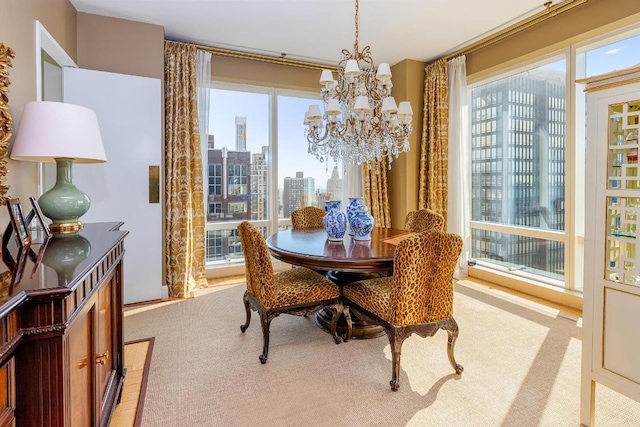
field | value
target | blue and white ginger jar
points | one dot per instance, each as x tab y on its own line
335	221
362	223
355	204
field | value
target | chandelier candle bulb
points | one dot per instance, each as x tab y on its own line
362	104
404	109
384	72
326	78
389	105
333	107
314	112
352	69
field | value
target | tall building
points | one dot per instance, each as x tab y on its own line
241	133
335	186
228	199
259	175
298	193
518	167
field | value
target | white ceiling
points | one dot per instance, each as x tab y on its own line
317	30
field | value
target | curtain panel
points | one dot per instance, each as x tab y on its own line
185	222
460	169
376	195
434	150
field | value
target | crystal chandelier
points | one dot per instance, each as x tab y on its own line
361	122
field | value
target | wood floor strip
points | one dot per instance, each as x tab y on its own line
137	357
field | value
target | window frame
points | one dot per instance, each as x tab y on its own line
538	233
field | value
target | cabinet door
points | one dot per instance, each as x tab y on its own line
611	339
7	394
81	369
104	341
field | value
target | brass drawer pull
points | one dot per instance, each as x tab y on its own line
102	359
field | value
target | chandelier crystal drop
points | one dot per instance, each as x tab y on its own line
361	122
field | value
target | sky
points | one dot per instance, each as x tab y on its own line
613	56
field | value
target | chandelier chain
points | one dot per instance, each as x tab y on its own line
355	45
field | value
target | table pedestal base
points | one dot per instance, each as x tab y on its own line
361	329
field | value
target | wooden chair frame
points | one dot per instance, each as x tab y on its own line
268	314
397	335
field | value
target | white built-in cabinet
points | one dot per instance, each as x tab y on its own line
129	186
611	308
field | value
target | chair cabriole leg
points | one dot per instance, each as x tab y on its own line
265	320
248	309
347	318
337	311
452	331
395	341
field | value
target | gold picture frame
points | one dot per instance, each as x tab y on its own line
6	122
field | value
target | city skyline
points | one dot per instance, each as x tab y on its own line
293	156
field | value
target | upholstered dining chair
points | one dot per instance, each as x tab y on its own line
422	220
297	291
307	217
417	299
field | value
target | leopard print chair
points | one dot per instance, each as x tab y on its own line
422	220
296	291
307	217
418	298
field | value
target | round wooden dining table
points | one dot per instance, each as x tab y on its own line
343	262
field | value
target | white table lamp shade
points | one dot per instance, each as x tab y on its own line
50	130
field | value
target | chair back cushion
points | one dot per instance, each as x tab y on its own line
259	271
423	269
422	220
307	217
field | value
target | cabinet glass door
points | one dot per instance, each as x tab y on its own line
622	210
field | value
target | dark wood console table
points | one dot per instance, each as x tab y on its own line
61	338
345	262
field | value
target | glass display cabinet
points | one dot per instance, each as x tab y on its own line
611	306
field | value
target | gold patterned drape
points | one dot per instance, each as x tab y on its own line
376	196
6	121
185	223
434	156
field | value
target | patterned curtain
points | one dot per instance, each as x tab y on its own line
376	196
184	193
435	127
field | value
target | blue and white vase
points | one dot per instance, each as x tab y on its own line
335	221
362	223
355	204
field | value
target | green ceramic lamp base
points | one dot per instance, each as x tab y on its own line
64	204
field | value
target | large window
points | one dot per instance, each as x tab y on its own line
518	170
528	142
258	166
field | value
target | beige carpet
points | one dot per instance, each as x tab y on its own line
521	360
